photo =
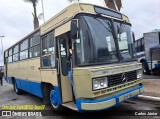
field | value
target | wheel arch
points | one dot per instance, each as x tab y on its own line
143	60
46	88
13	80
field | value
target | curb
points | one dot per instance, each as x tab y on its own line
143	97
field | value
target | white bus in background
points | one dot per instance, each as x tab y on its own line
143	45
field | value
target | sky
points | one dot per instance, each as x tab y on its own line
16	20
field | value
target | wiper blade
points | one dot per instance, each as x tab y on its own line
104	24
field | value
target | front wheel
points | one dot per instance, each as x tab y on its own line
54	100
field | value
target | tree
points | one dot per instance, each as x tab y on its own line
35	20
113	4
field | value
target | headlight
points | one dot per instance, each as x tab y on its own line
100	83
139	74
96	84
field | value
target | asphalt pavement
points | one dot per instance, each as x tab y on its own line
128	109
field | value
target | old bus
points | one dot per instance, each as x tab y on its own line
82	58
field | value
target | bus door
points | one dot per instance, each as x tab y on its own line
66	87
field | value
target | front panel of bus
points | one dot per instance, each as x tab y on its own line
105	71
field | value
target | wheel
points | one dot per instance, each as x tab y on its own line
16	89
54	100
145	68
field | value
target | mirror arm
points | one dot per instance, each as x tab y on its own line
58	68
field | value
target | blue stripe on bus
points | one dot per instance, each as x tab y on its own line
141	55
79	101
28	86
18	82
25	85
34	88
31	87
157	65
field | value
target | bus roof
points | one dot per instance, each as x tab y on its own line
64	17
153	31
68	13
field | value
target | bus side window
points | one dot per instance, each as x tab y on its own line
142	44
34	43
139	46
48	53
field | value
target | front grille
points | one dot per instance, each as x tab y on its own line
114	80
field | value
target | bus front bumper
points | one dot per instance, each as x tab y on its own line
106	103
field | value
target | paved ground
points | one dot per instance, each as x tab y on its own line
152	84
9	97
152	87
151	76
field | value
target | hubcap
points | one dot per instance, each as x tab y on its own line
53	99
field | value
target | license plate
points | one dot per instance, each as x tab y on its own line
131	94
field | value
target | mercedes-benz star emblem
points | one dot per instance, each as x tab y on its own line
124	78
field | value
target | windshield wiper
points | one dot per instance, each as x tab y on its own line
104	24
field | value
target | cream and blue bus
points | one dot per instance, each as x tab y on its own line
82	58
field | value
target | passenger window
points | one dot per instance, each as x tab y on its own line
16	53
10	52
24	54
10	56
48	53
24	45
24	50
34	50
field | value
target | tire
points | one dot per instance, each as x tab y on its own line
54	100
145	68
16	89
46	92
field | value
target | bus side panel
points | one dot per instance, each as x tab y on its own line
27	75
25	85
19	84
150	40
34	77
12	71
34	73
33	82
9	80
29	86
36	89
49	76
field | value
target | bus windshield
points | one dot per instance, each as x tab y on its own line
125	41
97	42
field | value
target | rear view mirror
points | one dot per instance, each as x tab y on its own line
133	36
74	29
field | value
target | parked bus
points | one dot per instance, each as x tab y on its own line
82	58
143	46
